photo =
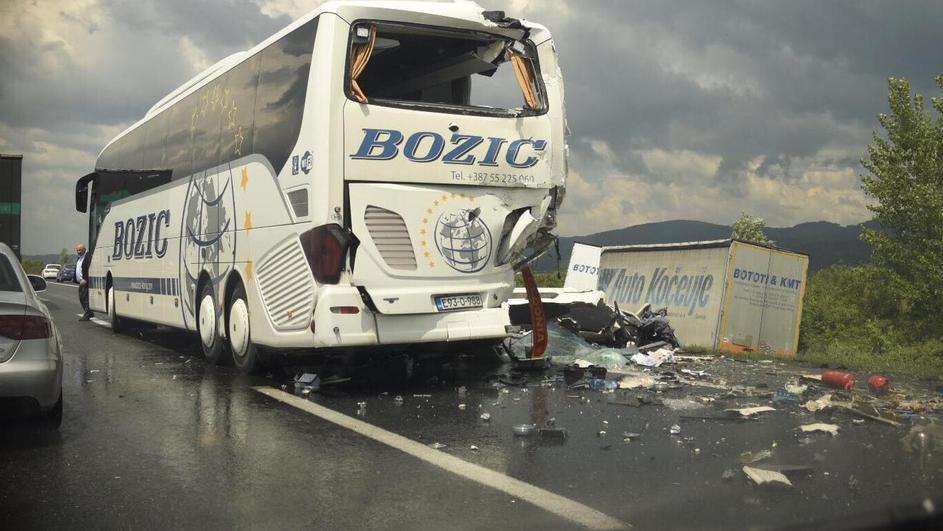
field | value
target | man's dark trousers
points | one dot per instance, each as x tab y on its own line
83	298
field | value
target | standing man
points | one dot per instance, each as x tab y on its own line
81	277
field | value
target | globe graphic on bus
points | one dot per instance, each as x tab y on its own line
464	243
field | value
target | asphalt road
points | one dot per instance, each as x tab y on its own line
152	437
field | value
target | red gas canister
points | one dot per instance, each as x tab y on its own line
878	384
840	380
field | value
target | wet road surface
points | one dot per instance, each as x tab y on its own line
153	437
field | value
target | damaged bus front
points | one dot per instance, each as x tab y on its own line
454	166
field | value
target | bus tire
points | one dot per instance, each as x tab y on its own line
245	354
117	323
206	325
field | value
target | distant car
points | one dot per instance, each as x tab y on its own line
51	271
30	345
66	274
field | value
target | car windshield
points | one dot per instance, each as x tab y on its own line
8	279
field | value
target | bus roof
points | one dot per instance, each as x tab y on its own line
349	10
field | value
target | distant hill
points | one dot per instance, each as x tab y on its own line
49	258
825	243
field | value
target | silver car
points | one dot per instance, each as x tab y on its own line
30	345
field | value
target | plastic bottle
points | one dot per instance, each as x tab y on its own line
838	380
599	384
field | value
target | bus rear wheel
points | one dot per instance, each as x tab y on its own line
117	324
245	354
210	341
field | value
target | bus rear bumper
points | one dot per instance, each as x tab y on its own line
366	328
489	323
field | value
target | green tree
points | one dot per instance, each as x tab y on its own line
750	229
905	178
63	256
32	267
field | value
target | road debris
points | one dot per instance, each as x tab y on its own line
524	430
838	380
750	411
761	476
748	458
818	404
436	446
820	426
485	417
637	381
682	404
655	358
552	435
796	389
783	396
878	384
307	381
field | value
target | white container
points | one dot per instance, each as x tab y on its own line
722	294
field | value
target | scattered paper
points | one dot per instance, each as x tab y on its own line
820	426
654	359
760	476
643	381
816	377
750	411
819	404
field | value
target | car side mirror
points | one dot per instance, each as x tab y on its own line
38	283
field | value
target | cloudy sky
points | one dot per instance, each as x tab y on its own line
692	110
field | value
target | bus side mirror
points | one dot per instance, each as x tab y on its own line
81	192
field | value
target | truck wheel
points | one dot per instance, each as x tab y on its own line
206	325
117	323
245	354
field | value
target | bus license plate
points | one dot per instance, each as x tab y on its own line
457	302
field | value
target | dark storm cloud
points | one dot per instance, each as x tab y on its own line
735	89
801	76
219	27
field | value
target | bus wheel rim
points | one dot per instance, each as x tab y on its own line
207	320
239	327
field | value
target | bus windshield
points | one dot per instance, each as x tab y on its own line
410	65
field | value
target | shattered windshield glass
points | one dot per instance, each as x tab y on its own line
405	64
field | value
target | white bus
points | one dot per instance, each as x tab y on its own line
369	176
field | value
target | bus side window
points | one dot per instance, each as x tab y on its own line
177	142
206	119
283	82
235	139
155	131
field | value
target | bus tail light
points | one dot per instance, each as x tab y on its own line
345	310
326	249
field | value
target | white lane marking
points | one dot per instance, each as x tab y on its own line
554	503
96	320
